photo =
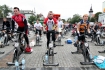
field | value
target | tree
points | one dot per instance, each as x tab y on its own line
31	19
1	13
92	19
63	20
38	16
68	20
76	18
5	10
97	15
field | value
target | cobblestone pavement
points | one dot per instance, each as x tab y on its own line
66	60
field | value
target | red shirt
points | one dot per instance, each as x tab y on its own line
19	19
48	22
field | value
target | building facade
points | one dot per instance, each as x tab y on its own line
103	7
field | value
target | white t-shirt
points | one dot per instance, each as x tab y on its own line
38	26
60	23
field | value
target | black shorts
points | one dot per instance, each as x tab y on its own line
81	38
56	32
38	31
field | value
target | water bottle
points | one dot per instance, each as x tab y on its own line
76	38
91	57
46	58
23	64
17	65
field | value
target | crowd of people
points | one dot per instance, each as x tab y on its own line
50	25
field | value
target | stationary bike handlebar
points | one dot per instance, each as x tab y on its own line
19	32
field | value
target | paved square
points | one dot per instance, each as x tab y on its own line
66	60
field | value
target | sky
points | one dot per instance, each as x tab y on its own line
67	8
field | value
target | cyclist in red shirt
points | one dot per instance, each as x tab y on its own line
22	26
50	24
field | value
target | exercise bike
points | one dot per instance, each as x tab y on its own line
59	40
37	39
85	51
48	58
98	41
19	47
1	41
6	37
92	35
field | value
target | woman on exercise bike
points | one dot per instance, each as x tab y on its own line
50	25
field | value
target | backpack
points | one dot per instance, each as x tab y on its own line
69	41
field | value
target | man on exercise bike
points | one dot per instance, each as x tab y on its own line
38	26
50	24
60	26
82	26
95	28
6	25
22	26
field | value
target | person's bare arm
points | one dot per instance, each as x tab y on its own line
56	24
78	27
44	27
44	24
93	28
88	28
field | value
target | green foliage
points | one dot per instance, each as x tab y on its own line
92	19
97	15
63	20
89	19
76	18
31	19
4	11
69	19
37	16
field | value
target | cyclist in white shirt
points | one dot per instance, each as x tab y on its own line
60	25
38	26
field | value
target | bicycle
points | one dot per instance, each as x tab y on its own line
98	41
1	41
59	39
2	38
37	39
19	47
6	37
49	55
93	36
85	51
49	61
